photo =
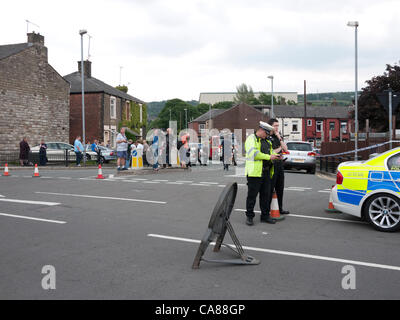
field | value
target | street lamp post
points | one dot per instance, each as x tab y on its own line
272	96
82	32
185	118
355	24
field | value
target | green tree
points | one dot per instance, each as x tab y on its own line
122	88
223	105
245	94
265	98
368	103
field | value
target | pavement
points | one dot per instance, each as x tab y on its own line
135	237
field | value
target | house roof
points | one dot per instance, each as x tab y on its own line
11	49
95	85
337	112
206	116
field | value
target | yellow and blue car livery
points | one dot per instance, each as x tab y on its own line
371	189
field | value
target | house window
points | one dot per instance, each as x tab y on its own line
318	126
331	126
127	111
309	122
343	127
295	126
113	108
202	126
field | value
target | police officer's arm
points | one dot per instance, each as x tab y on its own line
283	146
255	154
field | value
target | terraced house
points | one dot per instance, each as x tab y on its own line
34	97
105	107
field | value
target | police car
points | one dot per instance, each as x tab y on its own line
371	190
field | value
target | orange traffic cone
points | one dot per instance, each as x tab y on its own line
6	170
36	172
274	213
331	208
100	174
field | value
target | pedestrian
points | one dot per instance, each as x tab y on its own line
278	180
130	149
95	148
24	152
78	149
184	151
43	153
226	152
139	148
259	171
145	148
122	146
108	145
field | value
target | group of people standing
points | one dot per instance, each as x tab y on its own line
264	170
126	147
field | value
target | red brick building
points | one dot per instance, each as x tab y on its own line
105	107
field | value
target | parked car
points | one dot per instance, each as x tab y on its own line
300	155
56	151
106	155
371	190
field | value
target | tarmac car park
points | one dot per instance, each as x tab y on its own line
371	190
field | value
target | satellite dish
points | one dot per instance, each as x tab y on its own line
217	227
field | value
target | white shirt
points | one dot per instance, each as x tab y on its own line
123	146
139	149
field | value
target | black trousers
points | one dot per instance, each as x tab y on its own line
278	183
260	186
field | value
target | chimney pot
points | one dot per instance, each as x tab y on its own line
87	68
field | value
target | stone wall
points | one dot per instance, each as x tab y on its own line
34	100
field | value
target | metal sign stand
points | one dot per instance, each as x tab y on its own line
217	227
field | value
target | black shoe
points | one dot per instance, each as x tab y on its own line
285	212
249	221
267	220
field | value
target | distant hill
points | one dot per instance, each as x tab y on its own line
327	98
155	107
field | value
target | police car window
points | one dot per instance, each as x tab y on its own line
299	146
394	163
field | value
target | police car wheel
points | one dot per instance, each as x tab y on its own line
382	211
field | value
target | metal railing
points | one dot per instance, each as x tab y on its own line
66	159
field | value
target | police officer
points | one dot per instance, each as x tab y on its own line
278	180
259	171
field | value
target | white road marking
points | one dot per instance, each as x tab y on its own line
31	218
183	181
221	186
208	182
299	188
324	191
100	197
289	253
42	203
288	189
1	196
47	177
175	183
200	184
161	180
150	182
140	179
311	217
65	178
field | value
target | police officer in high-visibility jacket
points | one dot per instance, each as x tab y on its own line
259	171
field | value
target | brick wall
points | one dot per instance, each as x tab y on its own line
34	100
93	116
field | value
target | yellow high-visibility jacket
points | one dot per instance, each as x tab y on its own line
254	157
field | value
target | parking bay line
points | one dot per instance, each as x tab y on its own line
100	197
289	253
311	217
31	218
43	203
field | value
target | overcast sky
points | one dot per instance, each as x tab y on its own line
179	48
